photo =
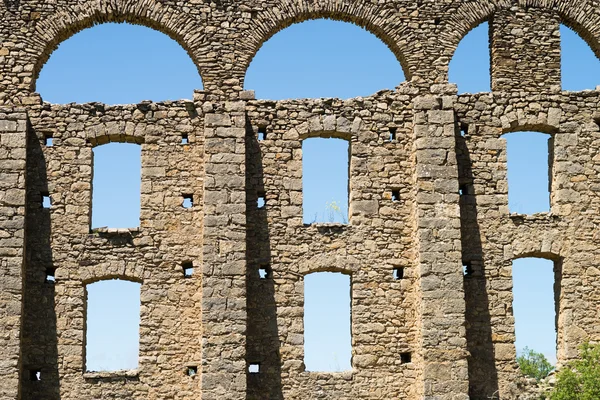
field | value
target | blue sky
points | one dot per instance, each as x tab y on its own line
119	63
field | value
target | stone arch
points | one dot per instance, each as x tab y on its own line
328	263
580	15
466	18
152	14
545	121
364	15
112	270
113	133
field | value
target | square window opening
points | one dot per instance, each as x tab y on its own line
185	138
188	201
50	275
467	268
262	133
46	200
188	269
398	273
48	140
463	190
264	272
191	371
261	202
393	133
254	368
35	375
395	195
464	130
405	358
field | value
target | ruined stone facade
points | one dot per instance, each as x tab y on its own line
459	330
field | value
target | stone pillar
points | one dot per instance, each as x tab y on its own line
525	49
13	137
440	294
224	270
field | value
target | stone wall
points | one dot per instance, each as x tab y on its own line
452	208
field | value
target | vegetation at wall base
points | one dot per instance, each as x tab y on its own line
534	364
580	379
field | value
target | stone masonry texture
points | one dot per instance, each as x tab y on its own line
452	206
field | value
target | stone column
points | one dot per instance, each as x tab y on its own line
13	137
525	49
440	294
224	270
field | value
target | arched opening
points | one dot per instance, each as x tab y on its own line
327	321
112	324
116	186
470	65
325	173
536	293
323	58
118	64
529	163
580	67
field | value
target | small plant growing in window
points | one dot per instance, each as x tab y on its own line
580	379
534	364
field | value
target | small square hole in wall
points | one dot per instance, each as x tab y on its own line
48	140
395	195
262	132
467	268
254	368
191	371
398	273
405	358
188	269
50	275
188	201
264	271
35	375
185	138
464	130
463	189
46	201
261	202
393	132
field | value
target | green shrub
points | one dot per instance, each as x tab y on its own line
534	364
580	379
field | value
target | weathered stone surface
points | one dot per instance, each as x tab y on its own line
458	331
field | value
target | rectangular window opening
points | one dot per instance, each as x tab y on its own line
464	130
262	133
398	273
261	202
325	182
264	272
48	140
463	189
188	269
50	275
116	183
393	132
185	138
35	375
467	268
191	370
46	200
188	201
327	322
405	358
112	315
254	368
395	195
